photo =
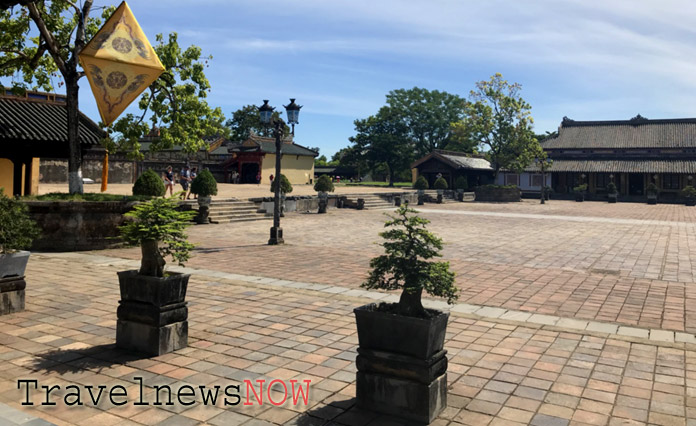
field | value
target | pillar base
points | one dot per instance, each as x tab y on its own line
12	295
276	236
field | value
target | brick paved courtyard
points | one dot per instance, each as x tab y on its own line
591	295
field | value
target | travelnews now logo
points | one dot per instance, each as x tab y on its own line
277	392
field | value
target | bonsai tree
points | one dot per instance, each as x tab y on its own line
652	189
461	183
17	229
149	184
158	227
611	188
421	183
440	183
405	264
204	184
285	186
323	184
689	192
580	189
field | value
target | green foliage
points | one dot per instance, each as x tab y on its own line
87	196
17	229
580	188
440	183
159	220
652	189
408	246
611	188
149	184
204	184
421	183
688	192
247	119
175	103
324	184
461	183
285	186
499	121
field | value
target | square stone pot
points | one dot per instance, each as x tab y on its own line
12	294
652	199
13	264
690	202
152	313
401	363
612	198
579	197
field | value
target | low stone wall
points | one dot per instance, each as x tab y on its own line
498	193
76	226
56	170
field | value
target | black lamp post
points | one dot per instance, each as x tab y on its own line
266	112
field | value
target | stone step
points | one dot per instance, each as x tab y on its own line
239	219
234	209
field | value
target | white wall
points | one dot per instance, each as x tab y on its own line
524	180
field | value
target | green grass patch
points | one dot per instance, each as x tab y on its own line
87	196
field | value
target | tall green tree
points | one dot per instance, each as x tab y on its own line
384	139
247	119
428	115
40	39
500	122
174	103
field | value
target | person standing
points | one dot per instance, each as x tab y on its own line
185	180
271	179
258	178
169	181
194	173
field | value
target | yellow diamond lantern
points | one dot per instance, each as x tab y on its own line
119	63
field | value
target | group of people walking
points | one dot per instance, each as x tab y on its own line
186	176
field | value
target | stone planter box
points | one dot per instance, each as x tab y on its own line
12	294
579	197
402	366
690	202
152	313
77	226
497	193
612	198
652	199
13	264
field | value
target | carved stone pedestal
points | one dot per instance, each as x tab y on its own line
12	294
402	386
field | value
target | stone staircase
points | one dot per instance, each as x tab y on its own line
372	201
229	210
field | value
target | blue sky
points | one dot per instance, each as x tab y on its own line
588	60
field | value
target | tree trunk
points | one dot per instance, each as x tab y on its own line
75	150
410	303
152	263
391	175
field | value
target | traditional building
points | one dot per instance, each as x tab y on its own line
631	153
451	165
258	154
35	126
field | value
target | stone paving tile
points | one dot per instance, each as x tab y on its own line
625	263
500	371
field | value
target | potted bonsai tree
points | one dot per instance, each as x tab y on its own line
323	186
421	185
401	361
204	186
612	192
580	192
17	232
152	313
689	194
149	184
652	191
461	185
285	188
440	184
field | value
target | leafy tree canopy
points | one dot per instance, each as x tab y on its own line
500	122
247	119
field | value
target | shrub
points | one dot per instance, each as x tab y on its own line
440	183
204	184
324	184
580	188
17	229
149	184
421	183
688	192
611	188
405	264
285	186
652	189
154	222
461	183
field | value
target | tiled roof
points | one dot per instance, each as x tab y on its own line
638	132
267	145
456	160
624	166
40	121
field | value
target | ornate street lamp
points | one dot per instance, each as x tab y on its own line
266	113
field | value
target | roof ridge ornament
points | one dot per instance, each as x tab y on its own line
638	119
567	120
